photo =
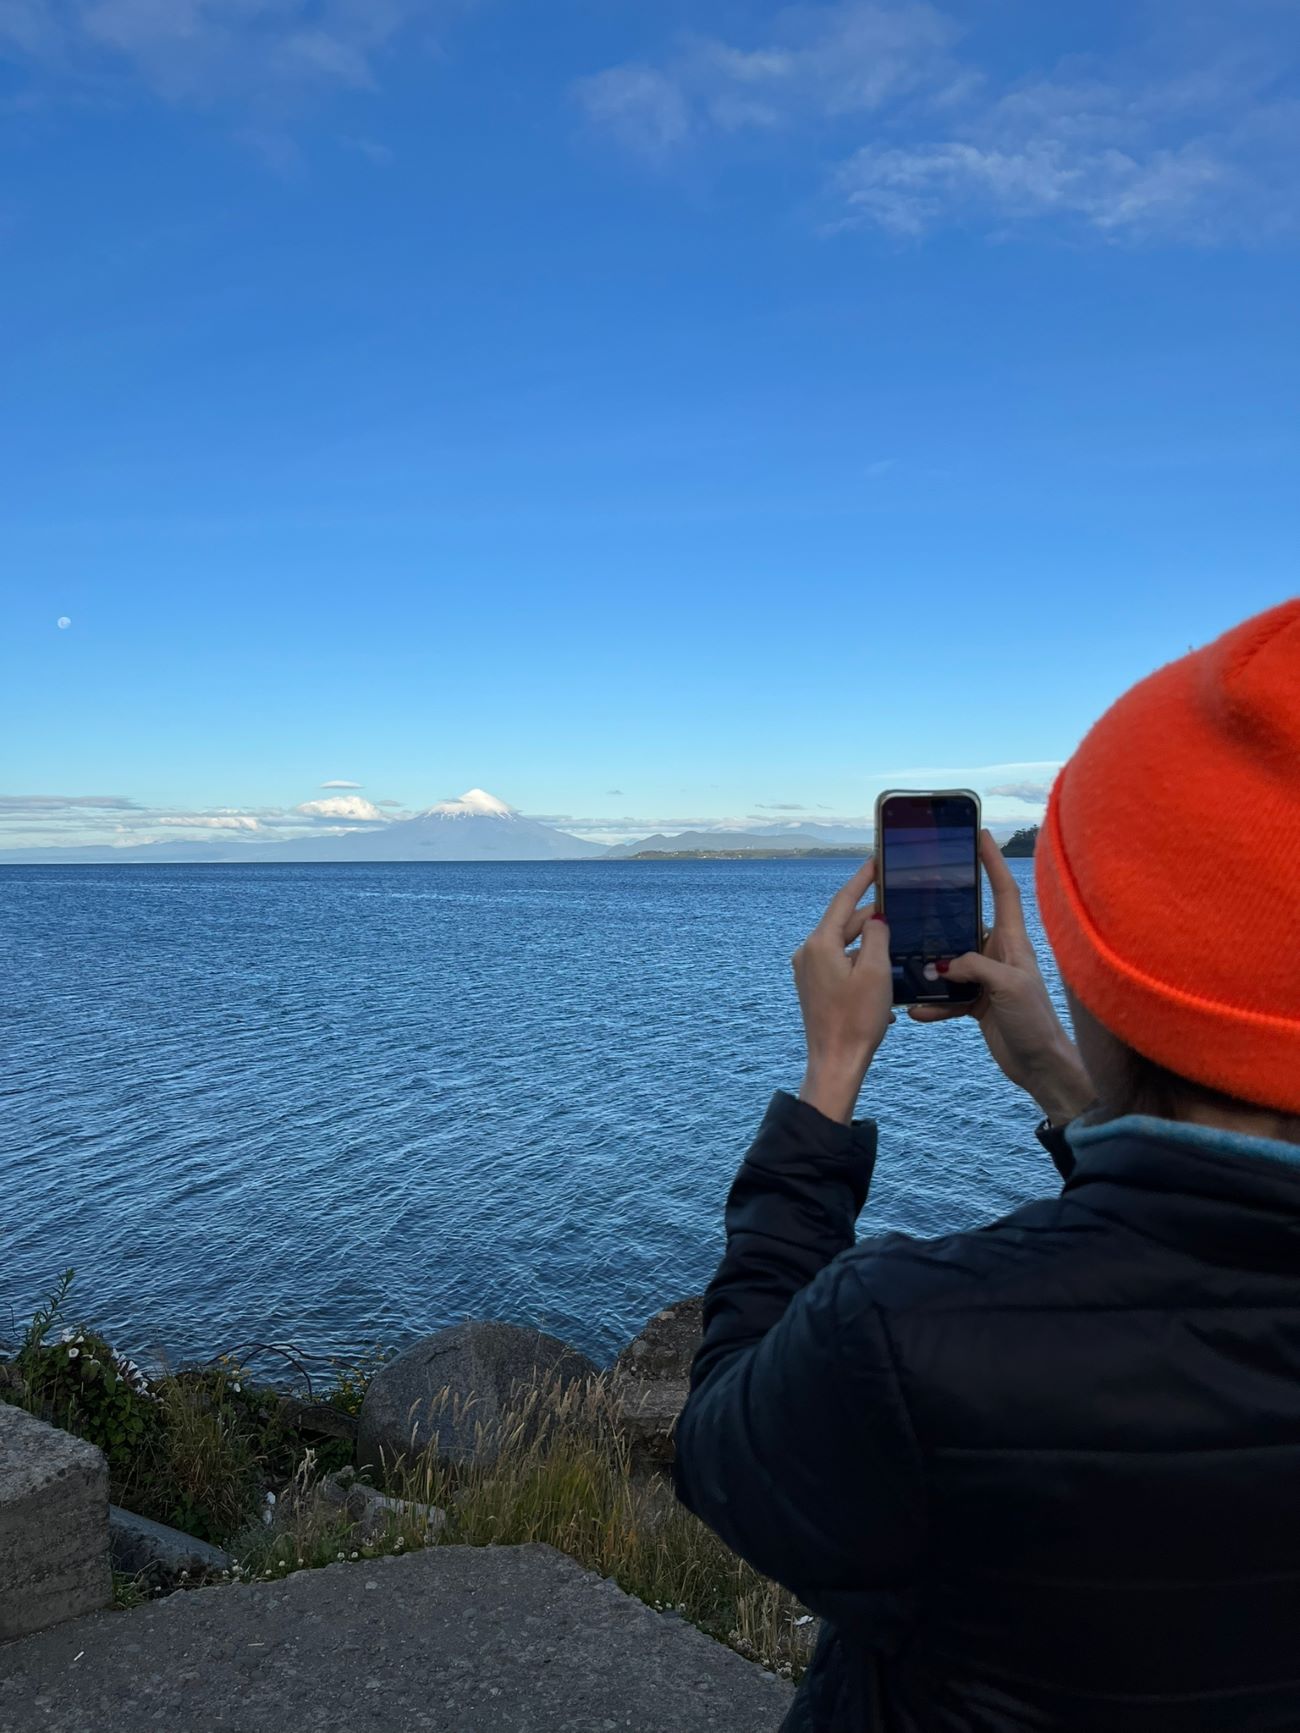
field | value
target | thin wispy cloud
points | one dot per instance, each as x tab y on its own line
1188	137
22	805
267	60
834	60
339	783
1033	793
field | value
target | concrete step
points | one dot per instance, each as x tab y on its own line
449	1640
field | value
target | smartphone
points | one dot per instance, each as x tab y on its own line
928	888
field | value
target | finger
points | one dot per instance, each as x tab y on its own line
1008	915
975	966
1001	877
856	924
874	949
937	1013
849	895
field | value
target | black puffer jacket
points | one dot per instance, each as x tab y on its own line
1041	1476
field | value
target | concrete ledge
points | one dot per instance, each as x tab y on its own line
139	1546
451	1640
53	1525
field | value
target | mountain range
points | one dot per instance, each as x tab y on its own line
476	826
762	836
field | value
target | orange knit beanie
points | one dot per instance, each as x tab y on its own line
1168	867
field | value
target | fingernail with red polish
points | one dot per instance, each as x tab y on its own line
941	964
877	917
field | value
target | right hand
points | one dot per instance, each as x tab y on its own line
1014	1012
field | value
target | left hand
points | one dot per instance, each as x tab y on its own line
845	996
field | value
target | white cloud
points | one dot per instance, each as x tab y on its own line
909	191
208	821
342	806
268	57
1032	793
646	110
341	784
842	59
1189	138
46	805
373	149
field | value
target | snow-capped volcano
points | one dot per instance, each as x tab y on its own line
474	803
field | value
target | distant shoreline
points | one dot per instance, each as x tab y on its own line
748	854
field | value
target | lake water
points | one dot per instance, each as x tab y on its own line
337	1105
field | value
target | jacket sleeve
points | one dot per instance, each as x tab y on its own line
795	1444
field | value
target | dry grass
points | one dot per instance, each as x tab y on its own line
557	1469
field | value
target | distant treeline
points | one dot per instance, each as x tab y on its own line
750	854
1021	844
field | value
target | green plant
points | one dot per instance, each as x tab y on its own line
221	1440
129	1591
352	1379
77	1381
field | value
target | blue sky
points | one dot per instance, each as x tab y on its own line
654	414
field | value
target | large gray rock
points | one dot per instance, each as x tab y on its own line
452	1640
651	1379
53	1525
141	1547
453	1388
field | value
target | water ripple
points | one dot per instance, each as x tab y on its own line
347	1104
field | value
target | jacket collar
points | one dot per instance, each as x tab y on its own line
1225	1205
1181	1133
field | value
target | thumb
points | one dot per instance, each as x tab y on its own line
975	966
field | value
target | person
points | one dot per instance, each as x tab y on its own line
1046	1475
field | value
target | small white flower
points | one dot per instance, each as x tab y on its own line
237	1388
355	1555
270	1498
73	1352
341	1556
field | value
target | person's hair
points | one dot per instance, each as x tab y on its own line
1151	1088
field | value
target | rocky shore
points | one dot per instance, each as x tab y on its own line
452	1402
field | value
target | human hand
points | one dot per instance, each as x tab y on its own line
1014	1012
845	996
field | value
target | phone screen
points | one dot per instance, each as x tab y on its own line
929	855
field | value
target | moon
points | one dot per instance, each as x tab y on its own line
64	622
